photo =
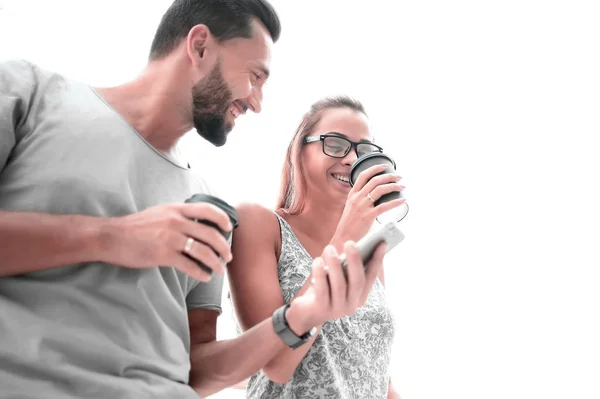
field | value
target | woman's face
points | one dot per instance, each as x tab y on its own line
326	176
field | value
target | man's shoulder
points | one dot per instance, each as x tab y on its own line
20	77
16	74
22	68
17	64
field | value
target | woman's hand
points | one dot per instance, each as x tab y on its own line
360	211
332	295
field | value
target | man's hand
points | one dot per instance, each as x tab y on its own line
157	237
331	296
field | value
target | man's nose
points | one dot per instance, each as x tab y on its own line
255	99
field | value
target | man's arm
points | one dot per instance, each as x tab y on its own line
36	241
154	237
217	365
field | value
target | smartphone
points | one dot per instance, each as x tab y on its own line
389	233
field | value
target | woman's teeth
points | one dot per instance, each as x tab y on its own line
341	178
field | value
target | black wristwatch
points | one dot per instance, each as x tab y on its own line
282	328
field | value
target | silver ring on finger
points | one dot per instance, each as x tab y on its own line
188	245
371	198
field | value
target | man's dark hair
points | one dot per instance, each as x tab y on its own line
226	19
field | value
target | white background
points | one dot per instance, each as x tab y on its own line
491	110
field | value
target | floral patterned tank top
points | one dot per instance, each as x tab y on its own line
350	357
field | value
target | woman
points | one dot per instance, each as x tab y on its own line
273	253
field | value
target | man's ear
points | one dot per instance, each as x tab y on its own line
199	40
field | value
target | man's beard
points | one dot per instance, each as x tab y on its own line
211	99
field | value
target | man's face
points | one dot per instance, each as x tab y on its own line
233	86
211	101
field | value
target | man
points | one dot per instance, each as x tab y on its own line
98	295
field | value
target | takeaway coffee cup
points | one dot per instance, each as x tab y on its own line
365	162
224	206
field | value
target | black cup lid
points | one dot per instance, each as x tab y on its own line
364	158
224	206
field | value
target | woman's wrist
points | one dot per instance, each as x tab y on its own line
298	320
338	243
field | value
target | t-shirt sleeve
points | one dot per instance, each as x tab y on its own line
17	87
208	295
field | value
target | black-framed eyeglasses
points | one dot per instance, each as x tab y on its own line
338	147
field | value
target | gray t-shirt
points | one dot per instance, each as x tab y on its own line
89	330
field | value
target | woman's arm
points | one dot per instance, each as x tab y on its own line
254	282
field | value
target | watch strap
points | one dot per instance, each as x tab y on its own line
284	331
